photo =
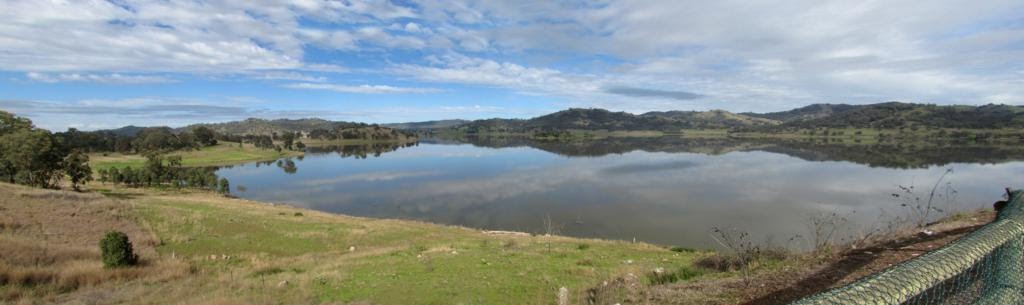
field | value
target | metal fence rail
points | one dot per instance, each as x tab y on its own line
984	267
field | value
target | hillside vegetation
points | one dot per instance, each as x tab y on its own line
309	127
425	125
600	119
896	114
883	115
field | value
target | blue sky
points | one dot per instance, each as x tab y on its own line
105	64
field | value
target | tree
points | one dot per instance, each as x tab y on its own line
300	145
76	167
31	156
115	175
289	139
174	171
154	169
117	250
223	186
155	139
104	175
205	135
10	123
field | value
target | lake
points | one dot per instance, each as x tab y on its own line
665	190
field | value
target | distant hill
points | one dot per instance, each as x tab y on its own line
600	119
253	126
881	115
426	125
815	111
897	114
127	131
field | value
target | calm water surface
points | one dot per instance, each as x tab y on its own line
668	192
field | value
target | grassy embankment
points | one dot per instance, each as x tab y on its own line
198	247
202	248
224	153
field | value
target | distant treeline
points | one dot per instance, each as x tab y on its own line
162	139
36	157
161	171
149	139
309	128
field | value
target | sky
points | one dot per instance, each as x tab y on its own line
105	64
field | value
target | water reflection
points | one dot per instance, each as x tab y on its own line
887	154
662	190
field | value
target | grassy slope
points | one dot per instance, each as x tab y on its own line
221	154
270	254
202	248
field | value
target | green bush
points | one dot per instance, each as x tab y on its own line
682	249
117	250
665	277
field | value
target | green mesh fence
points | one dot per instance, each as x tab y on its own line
984	267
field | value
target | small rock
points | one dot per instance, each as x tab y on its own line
282	284
563	296
629	261
352	248
659	270
455	252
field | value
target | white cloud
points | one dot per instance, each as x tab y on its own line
759	55
112	78
288	75
739	55
468	70
362	89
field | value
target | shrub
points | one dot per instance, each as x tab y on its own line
660	276
682	249
117	250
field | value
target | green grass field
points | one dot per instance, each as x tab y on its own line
291	255
225	153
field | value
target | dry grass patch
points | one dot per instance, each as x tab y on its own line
50	243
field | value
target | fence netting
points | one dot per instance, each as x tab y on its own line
985	267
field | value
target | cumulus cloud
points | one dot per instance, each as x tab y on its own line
112	78
479	71
624	55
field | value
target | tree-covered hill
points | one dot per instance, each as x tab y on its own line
426	125
881	115
601	119
897	114
254	126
